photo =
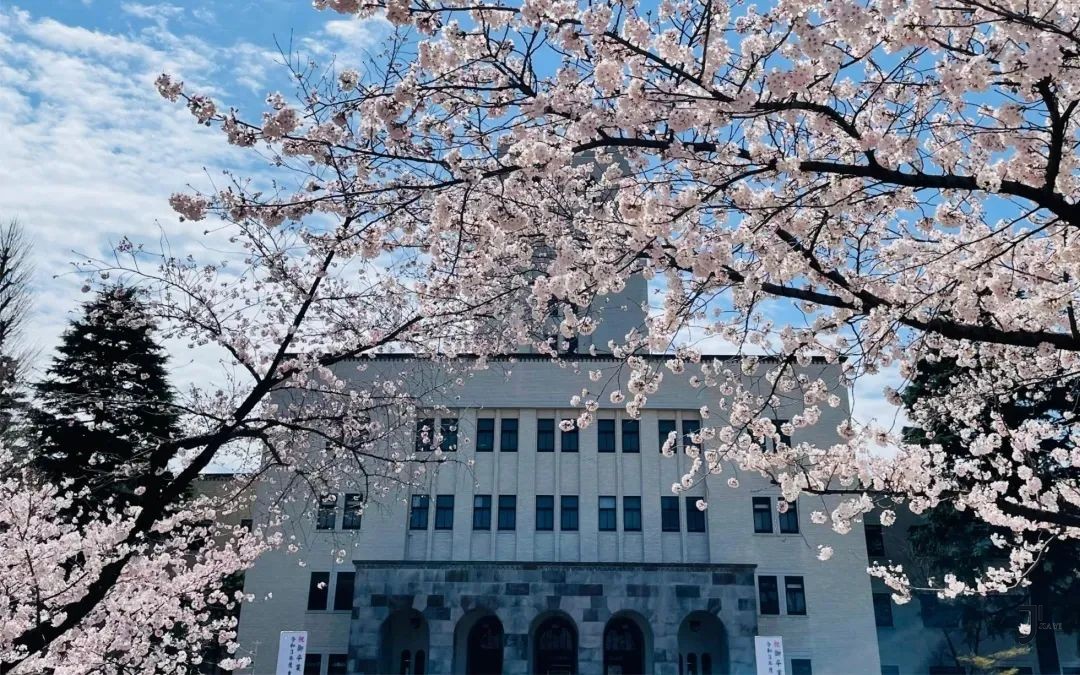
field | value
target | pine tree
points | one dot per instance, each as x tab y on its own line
15	273
105	402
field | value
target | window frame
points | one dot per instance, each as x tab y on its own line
664	432
352	516
419	508
795	588
569	505
483	508
421	444
788	519
696	522
318	596
508	506
565	437
607	516
509	430
342	659
665	514
606	439
485	437
545	434
883	614
444	504
762	515
631	428
545	504
773	596
448	431
327	512
351	584
875	543
631	514
689	428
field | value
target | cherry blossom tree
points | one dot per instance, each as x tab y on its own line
875	183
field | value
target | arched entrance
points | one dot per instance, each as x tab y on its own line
403	643
702	645
624	646
555	643
484	647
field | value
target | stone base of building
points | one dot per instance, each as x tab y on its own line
566	618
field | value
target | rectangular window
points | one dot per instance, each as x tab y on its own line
343	590
894	670
507	512
485	434
444	512
318	591
481	513
607	514
247	524
768	595
784	438
327	516
762	515
695	517
875	540
425	430
665	428
570	440
631	436
795	595
801	667
418	514
448	428
669	514
605	435
789	520
508	435
545	434
689	428
312	664
545	513
338	665
883	610
631	514
568	513
354	506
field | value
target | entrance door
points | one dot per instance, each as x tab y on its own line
555	651
624	648
485	647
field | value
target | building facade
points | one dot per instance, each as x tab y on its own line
539	550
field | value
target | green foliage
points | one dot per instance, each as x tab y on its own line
105	402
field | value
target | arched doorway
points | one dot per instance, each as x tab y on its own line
403	643
555	646
702	645
484	647
624	646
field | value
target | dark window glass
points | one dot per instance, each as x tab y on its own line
789	520
570	440
343	590
338	664
947	670
706	664
507	512
481	515
354	504
801	667
327	516
631	436
318	591
247	524
605	435
895	670
444	512
568	513
485	434
689	428
631	510
545	435
762	515
425	430
883	610
768	595
448	430
664	428
421	663
937	613
875	540
607	514
418	514
545	513
508	436
784	438
669	514
312	664
695	517
795	595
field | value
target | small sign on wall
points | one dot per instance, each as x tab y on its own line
769	655
292	648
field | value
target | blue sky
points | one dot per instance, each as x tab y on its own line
90	152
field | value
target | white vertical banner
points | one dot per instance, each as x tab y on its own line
769	653
291	651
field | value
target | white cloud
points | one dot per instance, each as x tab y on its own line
158	13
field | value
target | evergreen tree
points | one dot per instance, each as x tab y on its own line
105	402
15	273
958	542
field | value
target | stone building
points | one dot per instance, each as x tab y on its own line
548	551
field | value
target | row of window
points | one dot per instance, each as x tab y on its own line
337	664
606	438
506	515
769	595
